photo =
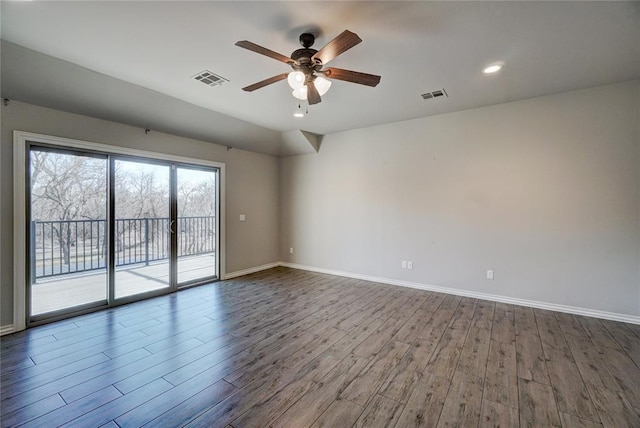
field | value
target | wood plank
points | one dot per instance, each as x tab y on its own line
19	363
32	411
379	338
402	302
572	421
549	330
14	383
412	328
324	392
228	358
498	415
530	358
501	384
37	393
314	348
250	370
113	408
186	410
626	373
354	337
525	321
569	389
589	361
483	315
245	399
414	304
464	401
369	380
425	403
463	314
613	407
570	324
503	326
404	377
625	337
445	358
381	412
67	413
537	405
340	413
436	325
146	412
473	358
598	334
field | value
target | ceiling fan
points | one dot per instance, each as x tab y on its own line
308	76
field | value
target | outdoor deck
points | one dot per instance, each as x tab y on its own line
66	291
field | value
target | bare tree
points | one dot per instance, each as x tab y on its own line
70	187
64	188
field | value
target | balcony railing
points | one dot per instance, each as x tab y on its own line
72	246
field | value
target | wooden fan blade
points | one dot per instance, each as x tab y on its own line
313	97
345	41
265	82
352	76
264	51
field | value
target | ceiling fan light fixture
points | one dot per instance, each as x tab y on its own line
306	62
296	79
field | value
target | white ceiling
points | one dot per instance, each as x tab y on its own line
416	47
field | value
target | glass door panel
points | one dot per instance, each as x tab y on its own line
68	243
142	225
196	224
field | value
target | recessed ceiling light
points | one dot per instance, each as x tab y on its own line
298	114
493	68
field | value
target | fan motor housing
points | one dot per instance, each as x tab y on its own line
303	55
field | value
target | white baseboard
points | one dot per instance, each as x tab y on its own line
6	329
476	295
250	270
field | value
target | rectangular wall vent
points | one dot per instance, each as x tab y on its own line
435	94
209	78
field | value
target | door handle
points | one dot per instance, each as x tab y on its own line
170	226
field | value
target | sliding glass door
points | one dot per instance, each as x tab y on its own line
68	241
106	229
142	227
196	224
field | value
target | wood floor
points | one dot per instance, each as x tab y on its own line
288	348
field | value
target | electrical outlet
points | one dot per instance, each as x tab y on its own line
291	250
409	265
489	274
243	217
404	264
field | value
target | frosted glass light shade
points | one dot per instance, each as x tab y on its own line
300	93
322	85
296	79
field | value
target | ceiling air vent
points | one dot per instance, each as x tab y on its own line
435	94
210	79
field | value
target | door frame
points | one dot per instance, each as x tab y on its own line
21	140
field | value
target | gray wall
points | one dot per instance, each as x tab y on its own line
546	192
251	184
